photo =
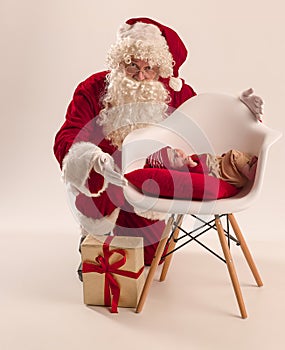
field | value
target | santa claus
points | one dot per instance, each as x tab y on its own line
141	87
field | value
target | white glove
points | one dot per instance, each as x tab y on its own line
253	102
104	164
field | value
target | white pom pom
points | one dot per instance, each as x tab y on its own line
124	28
175	83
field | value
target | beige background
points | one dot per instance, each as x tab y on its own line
47	48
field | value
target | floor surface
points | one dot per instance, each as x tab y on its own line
195	308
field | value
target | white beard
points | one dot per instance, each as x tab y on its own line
131	105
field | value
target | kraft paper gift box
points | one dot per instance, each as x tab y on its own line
112	270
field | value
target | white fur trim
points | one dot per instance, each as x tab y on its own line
142	31
77	165
175	83
151	215
98	226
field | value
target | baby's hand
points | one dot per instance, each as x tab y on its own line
190	162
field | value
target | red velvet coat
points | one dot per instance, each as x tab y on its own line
86	105
80	125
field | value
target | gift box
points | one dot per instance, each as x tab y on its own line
112	270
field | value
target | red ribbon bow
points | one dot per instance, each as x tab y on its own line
102	265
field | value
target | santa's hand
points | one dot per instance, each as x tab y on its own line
253	102
104	165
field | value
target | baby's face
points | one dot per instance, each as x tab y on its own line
177	158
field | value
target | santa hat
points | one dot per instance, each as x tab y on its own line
159	159
144	38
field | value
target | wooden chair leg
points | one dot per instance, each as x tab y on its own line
171	246
245	250
231	267
154	264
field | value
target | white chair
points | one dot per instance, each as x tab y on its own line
212	123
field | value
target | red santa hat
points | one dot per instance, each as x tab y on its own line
159	159
146	39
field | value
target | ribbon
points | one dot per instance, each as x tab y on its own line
102	265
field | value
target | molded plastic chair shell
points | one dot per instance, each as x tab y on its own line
212	123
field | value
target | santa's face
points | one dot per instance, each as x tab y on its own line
134	99
140	70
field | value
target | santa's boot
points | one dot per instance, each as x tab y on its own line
79	270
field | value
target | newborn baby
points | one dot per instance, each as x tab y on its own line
235	167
